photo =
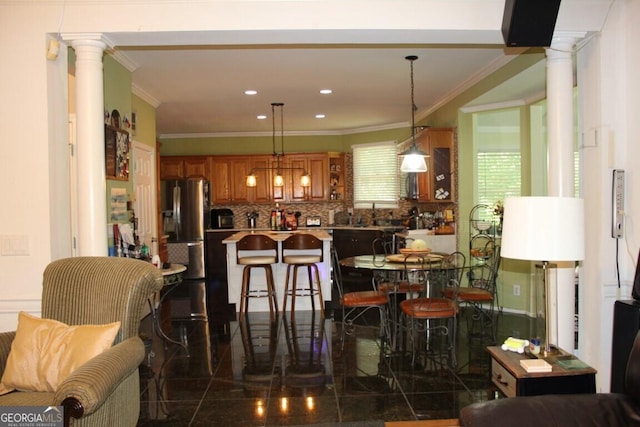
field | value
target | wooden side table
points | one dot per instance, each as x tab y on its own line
512	380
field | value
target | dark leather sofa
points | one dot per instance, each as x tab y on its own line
564	410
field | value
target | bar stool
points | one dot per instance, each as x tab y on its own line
292	255
268	255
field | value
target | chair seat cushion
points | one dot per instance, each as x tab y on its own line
257	260
429	308
44	352
470	294
364	298
301	259
400	287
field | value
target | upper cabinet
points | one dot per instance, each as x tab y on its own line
293	167
437	184
181	167
228	179
263	191
228	174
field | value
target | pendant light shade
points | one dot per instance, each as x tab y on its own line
413	160
251	180
278	180
305	180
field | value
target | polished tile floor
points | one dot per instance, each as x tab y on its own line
296	372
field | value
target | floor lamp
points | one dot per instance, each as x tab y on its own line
544	229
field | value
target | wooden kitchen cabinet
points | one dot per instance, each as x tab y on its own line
228	179
182	167
171	168
293	167
350	242
318	169
437	184
228	174
262	192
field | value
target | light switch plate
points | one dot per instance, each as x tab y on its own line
16	245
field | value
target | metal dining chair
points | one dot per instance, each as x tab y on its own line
430	317
356	303
481	295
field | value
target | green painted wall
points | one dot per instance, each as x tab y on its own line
145	130
117	96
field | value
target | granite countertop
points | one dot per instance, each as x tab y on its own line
278	236
314	229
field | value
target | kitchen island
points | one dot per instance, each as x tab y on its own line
234	271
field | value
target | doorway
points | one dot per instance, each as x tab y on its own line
144	179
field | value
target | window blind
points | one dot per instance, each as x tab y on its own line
498	176
375	175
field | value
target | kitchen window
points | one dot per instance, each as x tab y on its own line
375	175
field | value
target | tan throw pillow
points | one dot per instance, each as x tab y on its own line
44	352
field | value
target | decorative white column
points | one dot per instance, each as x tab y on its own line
560	176
91	185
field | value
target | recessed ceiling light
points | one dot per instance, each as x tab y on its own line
320	116
250	92
261	117
325	91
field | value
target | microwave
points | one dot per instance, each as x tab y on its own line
221	218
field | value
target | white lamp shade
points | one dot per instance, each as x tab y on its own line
413	162
543	229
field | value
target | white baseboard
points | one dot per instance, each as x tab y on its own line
10	308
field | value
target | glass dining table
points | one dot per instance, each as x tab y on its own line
394	271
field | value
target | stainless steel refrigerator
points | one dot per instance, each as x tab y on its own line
185	217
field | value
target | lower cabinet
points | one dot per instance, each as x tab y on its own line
352	242
216	273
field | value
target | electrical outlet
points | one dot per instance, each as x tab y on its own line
516	290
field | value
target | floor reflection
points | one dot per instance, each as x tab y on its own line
292	372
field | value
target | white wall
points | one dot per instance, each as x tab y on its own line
608	92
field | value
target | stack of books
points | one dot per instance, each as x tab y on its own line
535	365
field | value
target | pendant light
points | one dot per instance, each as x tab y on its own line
413	160
278	179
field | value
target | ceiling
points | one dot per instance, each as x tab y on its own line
197	80
201	90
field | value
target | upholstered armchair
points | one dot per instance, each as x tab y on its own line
105	390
